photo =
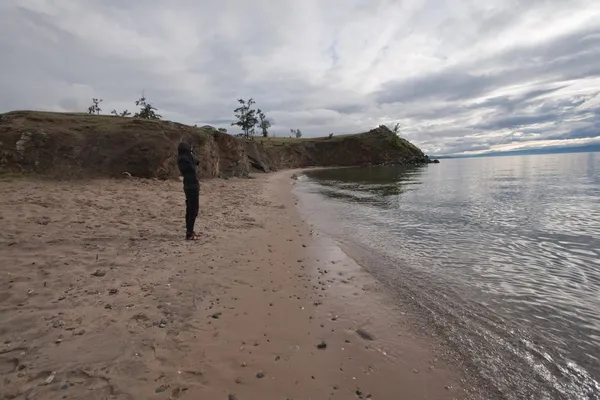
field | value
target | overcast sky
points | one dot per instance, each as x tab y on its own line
458	75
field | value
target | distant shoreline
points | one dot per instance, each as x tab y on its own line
565	150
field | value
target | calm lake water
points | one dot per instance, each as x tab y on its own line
501	255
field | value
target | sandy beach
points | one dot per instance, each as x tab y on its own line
101	298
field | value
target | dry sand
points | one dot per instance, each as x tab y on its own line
100	298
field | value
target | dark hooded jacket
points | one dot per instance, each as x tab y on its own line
187	163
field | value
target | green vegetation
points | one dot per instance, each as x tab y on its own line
248	118
264	123
95	107
147	111
282	141
296	133
121	114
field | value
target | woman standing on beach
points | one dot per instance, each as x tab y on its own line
187	163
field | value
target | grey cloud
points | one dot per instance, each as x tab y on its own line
566	58
195	62
515	121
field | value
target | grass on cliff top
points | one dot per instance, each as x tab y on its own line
31	120
280	141
50	121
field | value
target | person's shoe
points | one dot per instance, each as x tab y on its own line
191	236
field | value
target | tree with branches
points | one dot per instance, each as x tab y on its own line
246	117
121	114
95	107
264	124
296	133
147	110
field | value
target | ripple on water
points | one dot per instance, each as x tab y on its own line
503	254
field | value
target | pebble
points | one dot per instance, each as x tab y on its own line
322	345
113	291
65	386
260	374
238	380
160	389
232	396
364	334
216	315
108	306
99	273
80	332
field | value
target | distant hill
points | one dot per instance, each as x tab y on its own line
68	145
546	150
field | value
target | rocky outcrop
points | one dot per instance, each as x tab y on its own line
81	145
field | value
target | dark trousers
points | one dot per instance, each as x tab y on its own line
192	205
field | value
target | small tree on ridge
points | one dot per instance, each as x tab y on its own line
296	133
264	123
246	116
95	107
147	111
121	114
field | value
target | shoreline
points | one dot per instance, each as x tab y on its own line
103	298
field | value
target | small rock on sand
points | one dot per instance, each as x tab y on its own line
160	389
364	334
322	345
232	397
260	374
99	273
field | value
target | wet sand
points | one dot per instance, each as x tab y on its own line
100	298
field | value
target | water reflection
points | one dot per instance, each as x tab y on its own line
372	185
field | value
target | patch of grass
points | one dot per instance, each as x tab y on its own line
280	141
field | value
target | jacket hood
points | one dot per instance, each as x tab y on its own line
184	148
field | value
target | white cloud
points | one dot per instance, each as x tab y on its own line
458	75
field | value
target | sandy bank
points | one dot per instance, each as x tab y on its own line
100	298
